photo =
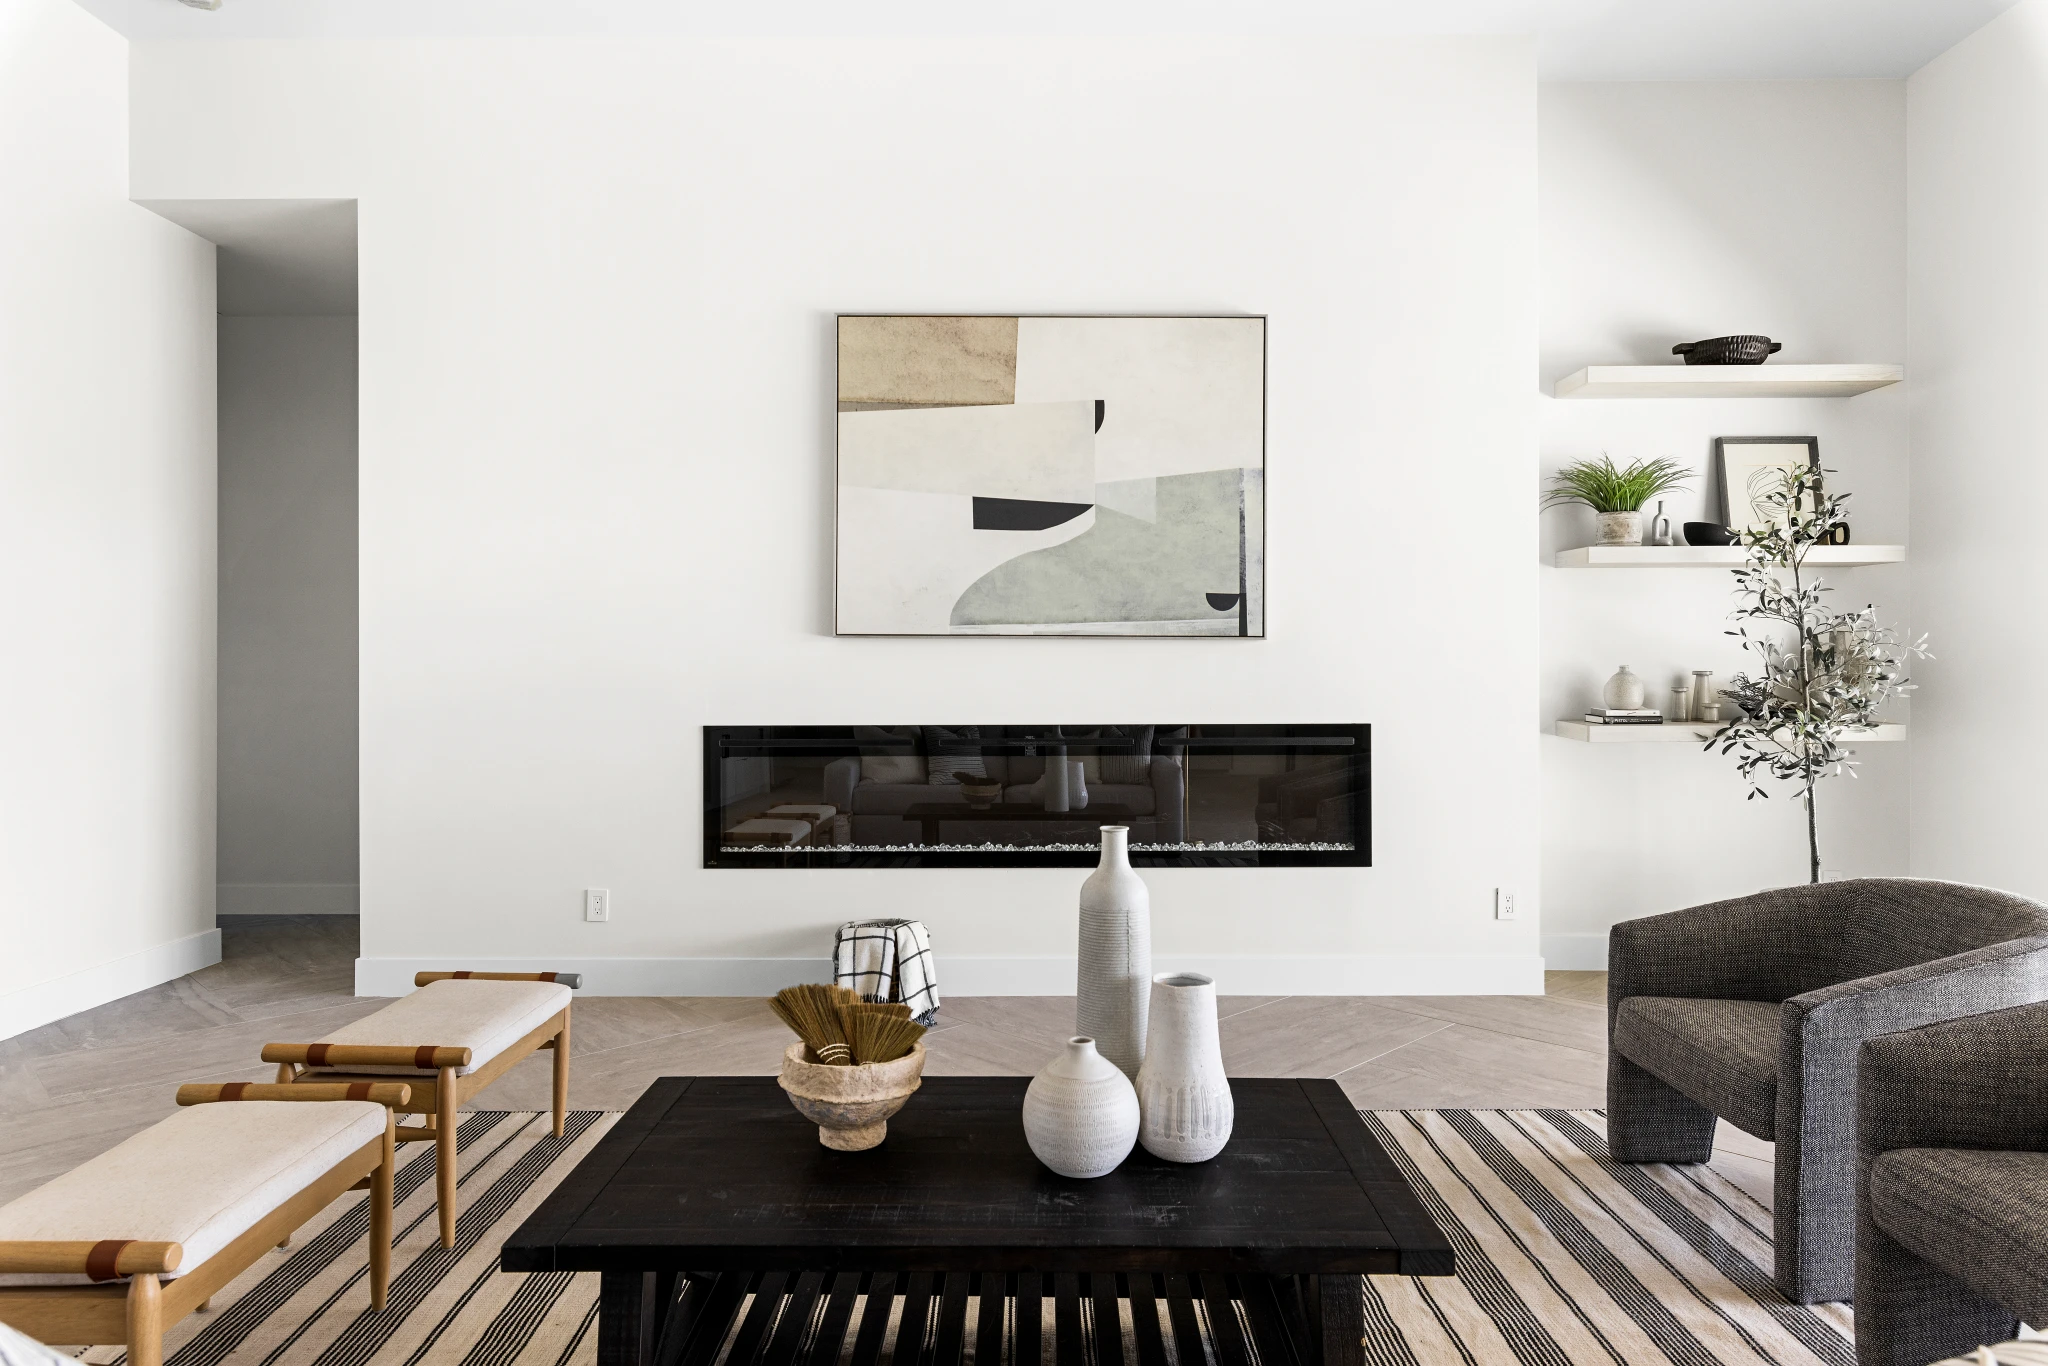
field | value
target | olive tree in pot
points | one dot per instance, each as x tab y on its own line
1822	674
1617	495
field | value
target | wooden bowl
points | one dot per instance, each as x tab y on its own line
851	1105
980	795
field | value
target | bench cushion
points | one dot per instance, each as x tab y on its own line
485	1017
1723	1054
201	1178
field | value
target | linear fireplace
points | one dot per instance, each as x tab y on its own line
962	796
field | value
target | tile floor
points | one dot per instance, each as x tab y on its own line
72	1089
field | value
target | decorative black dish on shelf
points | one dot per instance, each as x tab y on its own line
1708	533
1727	350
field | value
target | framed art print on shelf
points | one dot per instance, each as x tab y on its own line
1050	475
1750	467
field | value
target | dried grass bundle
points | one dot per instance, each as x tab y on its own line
812	1012
878	1033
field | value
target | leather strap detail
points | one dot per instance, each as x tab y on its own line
423	1057
547	977
100	1262
233	1090
316	1055
359	1090
462	976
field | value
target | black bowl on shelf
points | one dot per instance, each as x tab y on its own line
1745	350
1708	533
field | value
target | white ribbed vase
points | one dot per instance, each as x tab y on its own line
1080	1114
1114	986
1183	1095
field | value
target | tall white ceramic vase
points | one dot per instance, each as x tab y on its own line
1183	1095
1054	783
1080	1114
1114	989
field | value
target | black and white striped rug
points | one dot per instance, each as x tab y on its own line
1564	1258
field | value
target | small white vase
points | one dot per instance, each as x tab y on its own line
1113	989
1077	784
1624	691
1183	1094
1621	528
1080	1113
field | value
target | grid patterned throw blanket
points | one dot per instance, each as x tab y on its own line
888	960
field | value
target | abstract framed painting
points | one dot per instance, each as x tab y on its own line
1051	475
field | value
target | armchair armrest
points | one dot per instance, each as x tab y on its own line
1976	1082
1168	787
1970	983
1765	947
842	775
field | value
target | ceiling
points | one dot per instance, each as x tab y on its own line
276	256
1579	39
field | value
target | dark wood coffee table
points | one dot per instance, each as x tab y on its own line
711	1201
932	814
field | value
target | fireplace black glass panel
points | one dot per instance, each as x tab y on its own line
1022	796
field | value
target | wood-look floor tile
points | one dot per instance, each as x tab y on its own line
979	1050
1562	1022
1317	1036
202	1051
1039	1017
1463	1067
1587	988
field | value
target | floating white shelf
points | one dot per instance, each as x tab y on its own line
1715	556
1727	381
1688	733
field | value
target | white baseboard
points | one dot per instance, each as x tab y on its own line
286	898
23	1010
1575	952
1236	975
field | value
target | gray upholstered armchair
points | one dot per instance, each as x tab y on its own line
1952	1207
1753	1010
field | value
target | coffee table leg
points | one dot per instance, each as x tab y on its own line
1343	1320
625	1318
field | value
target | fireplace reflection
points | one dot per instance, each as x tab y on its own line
1019	795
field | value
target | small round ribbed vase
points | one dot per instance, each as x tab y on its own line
1080	1113
1183	1094
1114	986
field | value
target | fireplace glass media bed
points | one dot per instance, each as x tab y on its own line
1021	796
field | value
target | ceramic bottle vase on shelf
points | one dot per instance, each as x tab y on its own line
1184	1103
1080	1113
1624	691
1115	977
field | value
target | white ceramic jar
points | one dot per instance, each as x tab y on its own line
1113	989
1183	1094
1080	1113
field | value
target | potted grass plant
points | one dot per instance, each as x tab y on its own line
1616	494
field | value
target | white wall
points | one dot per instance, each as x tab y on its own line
106	543
287	837
1978	159
1672	212
597	291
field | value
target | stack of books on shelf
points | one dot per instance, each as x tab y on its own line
1624	716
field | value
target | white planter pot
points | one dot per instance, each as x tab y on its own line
1183	1095
1114	985
1080	1113
1621	528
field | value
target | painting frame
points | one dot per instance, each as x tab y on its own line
1243	619
1732	471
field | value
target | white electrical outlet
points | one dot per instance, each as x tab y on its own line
597	904
1504	904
